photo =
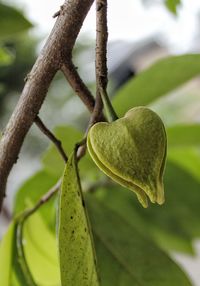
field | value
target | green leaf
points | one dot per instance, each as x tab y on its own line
31	191
184	135
172	5
12	21
11	272
159	79
125	256
6	255
41	251
77	258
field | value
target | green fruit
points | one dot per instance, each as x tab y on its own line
132	151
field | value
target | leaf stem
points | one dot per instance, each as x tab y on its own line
111	114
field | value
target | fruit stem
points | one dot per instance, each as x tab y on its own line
110	112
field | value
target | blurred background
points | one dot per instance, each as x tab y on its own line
140	33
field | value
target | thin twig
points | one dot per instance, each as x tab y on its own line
44	199
100	65
77	84
52	137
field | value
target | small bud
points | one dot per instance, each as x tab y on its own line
132	152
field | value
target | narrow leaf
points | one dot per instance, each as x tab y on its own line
77	258
162	77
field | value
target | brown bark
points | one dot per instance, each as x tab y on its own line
56	51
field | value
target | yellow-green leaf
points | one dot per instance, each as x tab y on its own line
6	255
41	251
77	257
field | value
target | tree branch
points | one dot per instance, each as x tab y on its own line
57	49
100	66
79	87
52	137
101	58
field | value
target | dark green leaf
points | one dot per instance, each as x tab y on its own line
125	256
12	21
77	258
161	78
172	226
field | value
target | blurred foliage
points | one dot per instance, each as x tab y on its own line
6	57
171	5
126	256
12	76
12	22
17	51
165	75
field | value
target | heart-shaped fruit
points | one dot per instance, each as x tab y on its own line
132	151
